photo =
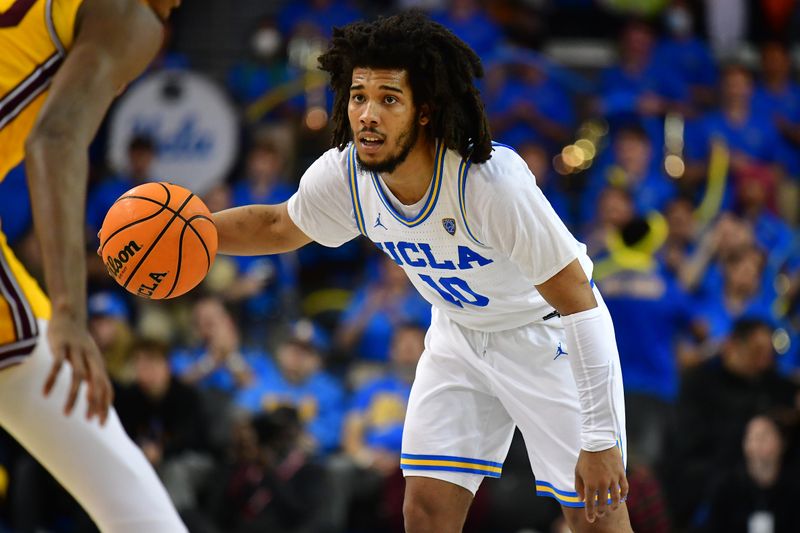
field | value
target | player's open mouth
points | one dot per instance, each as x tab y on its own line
370	143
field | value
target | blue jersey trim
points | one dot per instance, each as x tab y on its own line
433	196
496	144
463	171
351	172
451	458
451	469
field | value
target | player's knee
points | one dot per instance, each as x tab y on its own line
425	513
419	514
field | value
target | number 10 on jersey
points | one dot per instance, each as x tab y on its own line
455	291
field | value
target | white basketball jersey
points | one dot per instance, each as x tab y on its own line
483	237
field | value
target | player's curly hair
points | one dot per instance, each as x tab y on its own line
441	70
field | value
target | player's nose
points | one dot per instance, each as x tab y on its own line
369	115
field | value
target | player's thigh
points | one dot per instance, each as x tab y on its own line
537	388
100	466
612	522
456	429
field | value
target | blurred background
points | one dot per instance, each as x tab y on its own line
666	134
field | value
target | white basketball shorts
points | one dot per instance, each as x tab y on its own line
472	388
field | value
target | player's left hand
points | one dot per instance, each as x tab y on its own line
600	477
71	341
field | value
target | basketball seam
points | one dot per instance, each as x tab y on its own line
163	206
180	260
180	249
200	237
186	220
158	238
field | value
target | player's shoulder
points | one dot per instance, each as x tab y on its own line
332	164
336	158
505	170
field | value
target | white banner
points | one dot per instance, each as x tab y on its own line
191	121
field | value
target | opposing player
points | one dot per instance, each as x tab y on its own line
519	334
61	64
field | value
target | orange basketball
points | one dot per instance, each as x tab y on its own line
158	240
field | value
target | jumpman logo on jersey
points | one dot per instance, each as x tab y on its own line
559	352
379	223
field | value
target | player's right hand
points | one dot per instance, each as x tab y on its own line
70	340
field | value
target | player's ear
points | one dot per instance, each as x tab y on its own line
424	116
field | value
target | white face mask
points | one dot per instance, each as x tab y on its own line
265	42
679	21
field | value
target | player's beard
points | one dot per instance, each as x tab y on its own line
406	141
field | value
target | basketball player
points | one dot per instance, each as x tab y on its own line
519	334
61	64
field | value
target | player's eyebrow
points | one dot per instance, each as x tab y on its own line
360	87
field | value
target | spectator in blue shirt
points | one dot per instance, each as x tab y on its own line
472	24
635	168
264	282
372	437
778	97
639	88
369	321
750	135
264	69
743	294
219	362
686	55
755	190
554	186
298	381
682	237
142	152
316	16
526	105
651	313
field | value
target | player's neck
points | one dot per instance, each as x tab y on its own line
410	180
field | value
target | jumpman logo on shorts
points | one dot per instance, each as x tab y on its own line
559	352
379	223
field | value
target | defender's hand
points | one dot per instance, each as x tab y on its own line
70	340
600	476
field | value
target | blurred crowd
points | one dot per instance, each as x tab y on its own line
272	397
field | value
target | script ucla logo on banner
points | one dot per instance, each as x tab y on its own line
191	121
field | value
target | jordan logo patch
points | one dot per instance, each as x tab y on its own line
559	352
378	223
449	225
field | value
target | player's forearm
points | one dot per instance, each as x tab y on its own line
257	230
57	173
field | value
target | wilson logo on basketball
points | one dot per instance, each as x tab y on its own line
148	290
115	264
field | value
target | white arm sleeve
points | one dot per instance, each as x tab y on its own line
592	354
322	207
